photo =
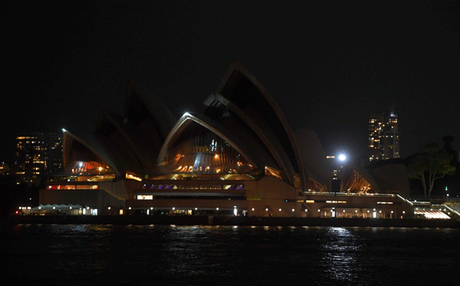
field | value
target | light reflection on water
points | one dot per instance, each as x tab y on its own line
340	253
97	254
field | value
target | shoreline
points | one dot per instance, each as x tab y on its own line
237	221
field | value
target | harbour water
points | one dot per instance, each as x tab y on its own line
88	254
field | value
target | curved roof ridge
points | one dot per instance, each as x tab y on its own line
266	136
95	147
207	123
313	156
226	80
109	117
104	114
116	123
161	115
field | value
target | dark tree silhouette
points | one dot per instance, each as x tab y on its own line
433	164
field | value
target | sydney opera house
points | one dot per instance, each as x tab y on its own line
236	156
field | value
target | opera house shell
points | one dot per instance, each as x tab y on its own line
236	156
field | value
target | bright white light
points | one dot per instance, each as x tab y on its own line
342	157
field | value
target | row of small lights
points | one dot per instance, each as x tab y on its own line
217	208
236	207
319	210
28	208
173	208
367	211
266	209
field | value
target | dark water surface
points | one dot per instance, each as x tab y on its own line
202	255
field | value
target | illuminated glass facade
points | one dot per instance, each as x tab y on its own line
206	154
383	136
37	154
356	183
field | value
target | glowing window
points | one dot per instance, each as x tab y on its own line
233	187
87	187
145	197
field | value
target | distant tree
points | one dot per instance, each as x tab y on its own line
433	164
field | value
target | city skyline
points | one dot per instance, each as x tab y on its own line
328	66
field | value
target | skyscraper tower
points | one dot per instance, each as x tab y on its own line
383	136
37	154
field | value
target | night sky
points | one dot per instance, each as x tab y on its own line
328	65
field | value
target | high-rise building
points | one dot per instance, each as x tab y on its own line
383	136
37	154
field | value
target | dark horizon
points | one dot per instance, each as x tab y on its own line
328	66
